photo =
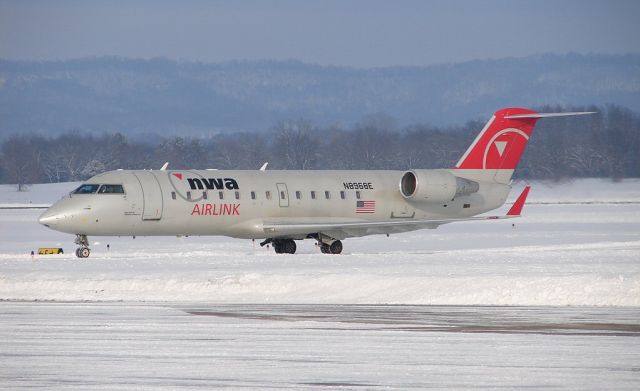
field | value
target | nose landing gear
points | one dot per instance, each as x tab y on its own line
83	251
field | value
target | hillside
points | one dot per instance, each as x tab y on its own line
165	97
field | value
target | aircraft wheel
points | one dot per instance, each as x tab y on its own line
324	248
289	247
336	247
277	247
83	252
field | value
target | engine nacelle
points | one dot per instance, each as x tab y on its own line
434	186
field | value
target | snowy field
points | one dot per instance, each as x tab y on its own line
578	244
115	346
552	302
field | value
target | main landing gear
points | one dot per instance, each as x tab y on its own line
83	251
284	246
333	248
327	244
281	246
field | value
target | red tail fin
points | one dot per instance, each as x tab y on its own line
502	141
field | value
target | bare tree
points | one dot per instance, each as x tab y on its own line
295	144
21	162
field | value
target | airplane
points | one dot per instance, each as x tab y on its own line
282	206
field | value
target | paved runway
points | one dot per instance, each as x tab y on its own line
151	346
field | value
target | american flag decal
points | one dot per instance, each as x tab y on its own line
365	206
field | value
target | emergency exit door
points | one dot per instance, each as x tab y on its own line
283	194
151	195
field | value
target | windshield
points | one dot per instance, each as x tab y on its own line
111	189
86	189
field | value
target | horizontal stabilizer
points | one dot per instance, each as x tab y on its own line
516	209
547	115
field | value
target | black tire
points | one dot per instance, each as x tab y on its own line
336	247
277	247
324	248
78	253
85	252
289	247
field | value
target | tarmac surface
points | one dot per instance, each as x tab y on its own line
93	345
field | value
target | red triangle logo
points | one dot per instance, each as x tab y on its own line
178	175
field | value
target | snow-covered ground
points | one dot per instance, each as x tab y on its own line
212	312
578	244
150	346
34	195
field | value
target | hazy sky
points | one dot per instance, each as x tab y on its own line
341	32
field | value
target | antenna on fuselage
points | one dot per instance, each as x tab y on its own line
264	166
164	166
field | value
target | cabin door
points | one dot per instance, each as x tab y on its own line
283	194
151	195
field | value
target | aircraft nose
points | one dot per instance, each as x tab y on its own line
49	218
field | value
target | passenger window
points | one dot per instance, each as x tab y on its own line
327	194
343	195
111	189
358	194
253	195
173	195
267	194
204	195
86	189
237	195
221	195
298	194
282	195
188	195
313	194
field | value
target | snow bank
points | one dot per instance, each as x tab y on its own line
39	194
336	289
593	190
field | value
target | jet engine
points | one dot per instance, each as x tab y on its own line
434	186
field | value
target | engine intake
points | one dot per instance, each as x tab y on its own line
434	186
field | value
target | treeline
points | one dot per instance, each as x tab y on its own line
606	144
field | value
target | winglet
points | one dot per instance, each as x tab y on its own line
164	166
516	209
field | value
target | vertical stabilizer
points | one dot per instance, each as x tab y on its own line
495	153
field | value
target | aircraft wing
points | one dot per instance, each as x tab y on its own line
345	229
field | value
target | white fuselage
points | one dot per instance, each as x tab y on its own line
284	206
239	203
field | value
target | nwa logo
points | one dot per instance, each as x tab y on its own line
210	183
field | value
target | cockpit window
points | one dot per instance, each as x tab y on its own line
111	189
86	189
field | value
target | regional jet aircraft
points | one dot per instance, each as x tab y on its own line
284	206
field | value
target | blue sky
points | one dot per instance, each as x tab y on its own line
346	32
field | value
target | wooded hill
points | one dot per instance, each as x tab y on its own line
141	98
